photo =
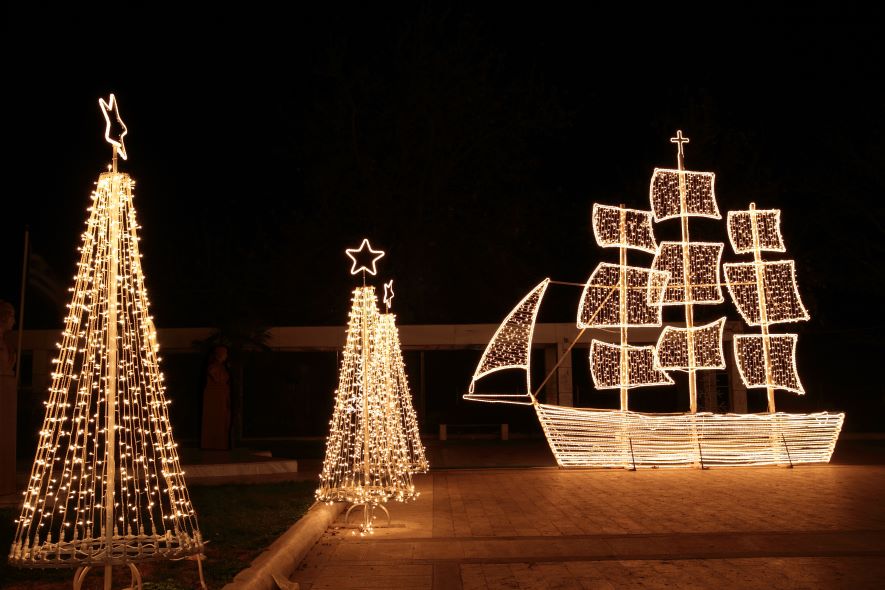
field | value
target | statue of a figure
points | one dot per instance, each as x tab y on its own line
215	433
8	401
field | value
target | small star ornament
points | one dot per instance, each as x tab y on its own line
115	139
388	294
364	258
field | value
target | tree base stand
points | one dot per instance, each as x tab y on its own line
367	526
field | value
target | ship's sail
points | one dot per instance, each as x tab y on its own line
601	300
615	366
617	227
775	367
673	352
666	196
765	293
781	294
767	230
510	347
700	284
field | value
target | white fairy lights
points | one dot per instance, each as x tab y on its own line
619	227
581	437
614	366
511	347
698	283
768	361
781	296
393	378
623	297
374	445
642	290
683	273
700	195
693	268
765	293
106	486
673	350
767	231
367	459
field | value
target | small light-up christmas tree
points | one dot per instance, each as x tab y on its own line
367	458
106	487
394	372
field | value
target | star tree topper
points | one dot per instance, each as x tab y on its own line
360	257
111	107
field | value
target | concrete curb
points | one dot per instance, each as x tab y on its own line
284	555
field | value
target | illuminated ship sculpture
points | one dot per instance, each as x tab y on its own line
683	273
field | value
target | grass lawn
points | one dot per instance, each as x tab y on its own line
238	521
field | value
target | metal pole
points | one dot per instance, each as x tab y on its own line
111	386
686	284
763	313
622	311
21	309
365	359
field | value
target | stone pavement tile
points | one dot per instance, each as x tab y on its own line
453	549
360	550
472	578
815	527
499	576
447	576
382	577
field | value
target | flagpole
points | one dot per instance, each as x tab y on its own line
21	309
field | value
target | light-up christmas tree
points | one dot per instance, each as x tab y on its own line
394	372
367	458
106	487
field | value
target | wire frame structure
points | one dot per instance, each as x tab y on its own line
693	267
106	487
765	293
511	348
583	437
368	458
622	296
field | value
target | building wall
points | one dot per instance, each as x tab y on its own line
288	390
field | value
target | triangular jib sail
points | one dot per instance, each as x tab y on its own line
510	347
614	366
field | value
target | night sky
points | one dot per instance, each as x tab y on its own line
469	143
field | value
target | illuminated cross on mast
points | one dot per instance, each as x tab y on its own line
680	154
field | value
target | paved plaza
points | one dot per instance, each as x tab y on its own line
547	528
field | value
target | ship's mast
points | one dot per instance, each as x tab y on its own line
686	272
763	314
622	312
